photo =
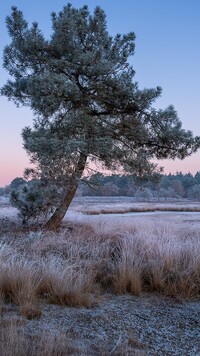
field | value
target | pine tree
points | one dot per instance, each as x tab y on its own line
80	87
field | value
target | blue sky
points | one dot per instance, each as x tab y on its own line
167	54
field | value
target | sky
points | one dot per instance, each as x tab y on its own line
167	54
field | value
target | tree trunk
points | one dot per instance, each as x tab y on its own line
56	219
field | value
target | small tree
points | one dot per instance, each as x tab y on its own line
177	186
109	189
167	193
32	201
80	87
144	193
194	192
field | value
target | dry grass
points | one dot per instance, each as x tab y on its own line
122	206
128	269
15	342
71	268
172	261
67	284
19	281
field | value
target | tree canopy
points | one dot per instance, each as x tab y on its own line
87	105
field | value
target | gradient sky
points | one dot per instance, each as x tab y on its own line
167	54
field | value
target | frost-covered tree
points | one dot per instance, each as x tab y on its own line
194	192
109	189
80	87
144	193
16	183
34	201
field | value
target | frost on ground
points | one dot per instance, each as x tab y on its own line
118	325
6	210
109	205
110	285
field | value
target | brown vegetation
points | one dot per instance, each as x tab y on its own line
71	268
75	266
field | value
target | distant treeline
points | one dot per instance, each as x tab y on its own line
177	185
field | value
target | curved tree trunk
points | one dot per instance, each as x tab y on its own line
56	219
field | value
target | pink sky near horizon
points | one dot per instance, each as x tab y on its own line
167	54
19	160
16	167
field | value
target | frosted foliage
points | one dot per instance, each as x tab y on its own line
33	201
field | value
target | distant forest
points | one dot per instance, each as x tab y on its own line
158	187
177	185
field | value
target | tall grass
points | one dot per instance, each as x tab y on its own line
71	268
67	283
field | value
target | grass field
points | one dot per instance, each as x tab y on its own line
97	255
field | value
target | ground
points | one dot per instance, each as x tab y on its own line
151	323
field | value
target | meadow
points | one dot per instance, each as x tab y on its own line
102	284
